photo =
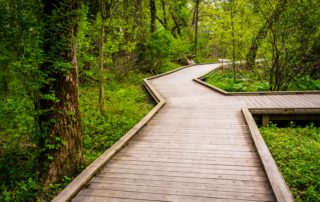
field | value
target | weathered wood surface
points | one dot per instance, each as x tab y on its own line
196	148
278	184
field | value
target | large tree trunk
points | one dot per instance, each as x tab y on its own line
153	16
196	17
60	143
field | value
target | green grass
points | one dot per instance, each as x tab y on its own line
296	151
247	81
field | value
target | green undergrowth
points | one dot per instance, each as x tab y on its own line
248	81
204	60
126	102
296	151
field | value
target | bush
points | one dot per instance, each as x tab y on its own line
156	52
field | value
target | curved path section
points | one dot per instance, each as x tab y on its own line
196	148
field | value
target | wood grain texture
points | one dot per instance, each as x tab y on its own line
198	147
278	184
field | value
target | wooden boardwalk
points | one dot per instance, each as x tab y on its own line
196	148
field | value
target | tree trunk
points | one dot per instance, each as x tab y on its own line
153	16
101	70
233	43
196	27
137	10
255	43
60	143
177	25
165	23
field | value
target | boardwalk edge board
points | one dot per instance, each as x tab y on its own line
200	81
276	179
81	180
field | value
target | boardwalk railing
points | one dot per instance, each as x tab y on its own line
81	180
277	182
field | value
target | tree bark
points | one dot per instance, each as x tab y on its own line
196	13
137	15
101	67
233	42
153	16
165	23
103	13
177	25
60	143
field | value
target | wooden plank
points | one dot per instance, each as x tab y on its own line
200	150
168	152
225	176
153	135
192	150
189	165
278	184
259	173
105	199
211	141
221	161
285	110
148	196
187	157
265	120
193	146
182	192
186	185
183	131
187	179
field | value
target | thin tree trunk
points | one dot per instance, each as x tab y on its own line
233	44
255	43
101	68
177	26
196	27
165	23
153	16
137	15
60	143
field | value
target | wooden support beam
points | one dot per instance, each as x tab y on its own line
277	182
265	120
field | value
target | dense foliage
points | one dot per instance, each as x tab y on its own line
296	151
284	33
